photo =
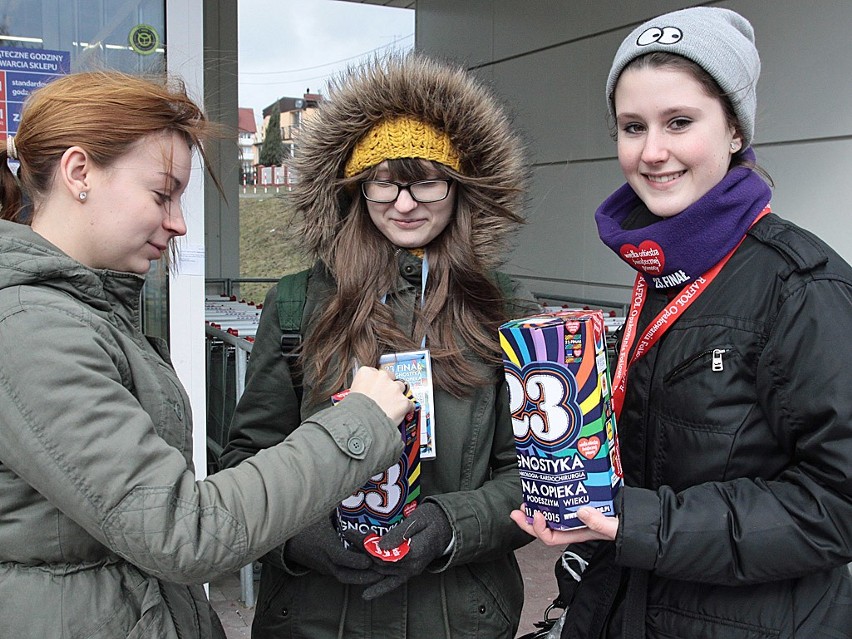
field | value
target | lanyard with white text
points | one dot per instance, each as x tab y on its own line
423	277
661	323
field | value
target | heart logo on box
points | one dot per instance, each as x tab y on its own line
588	447
573	327
648	257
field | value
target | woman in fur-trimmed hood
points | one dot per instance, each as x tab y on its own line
447	98
410	184
409	107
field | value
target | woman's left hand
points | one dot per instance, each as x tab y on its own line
598	526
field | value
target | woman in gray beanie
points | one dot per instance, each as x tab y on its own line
732	383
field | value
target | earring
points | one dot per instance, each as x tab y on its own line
734	147
83	195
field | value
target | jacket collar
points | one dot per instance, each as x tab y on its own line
410	269
28	259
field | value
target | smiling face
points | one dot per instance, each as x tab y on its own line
405	222
674	140
133	207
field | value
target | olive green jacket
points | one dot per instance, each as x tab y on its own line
101	517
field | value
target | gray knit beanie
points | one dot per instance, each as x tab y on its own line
718	40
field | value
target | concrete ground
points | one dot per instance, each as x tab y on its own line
536	561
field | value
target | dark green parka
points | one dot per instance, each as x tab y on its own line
476	590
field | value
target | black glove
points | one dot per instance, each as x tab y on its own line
319	547
429	533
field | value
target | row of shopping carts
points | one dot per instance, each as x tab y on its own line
229	327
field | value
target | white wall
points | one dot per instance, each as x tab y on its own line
186	285
548	59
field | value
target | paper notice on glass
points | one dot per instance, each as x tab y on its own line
190	260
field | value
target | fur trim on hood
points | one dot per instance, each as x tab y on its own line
443	95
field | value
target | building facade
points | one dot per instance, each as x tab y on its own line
292	113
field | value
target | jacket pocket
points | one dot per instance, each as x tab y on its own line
152	621
669	623
698	412
135	619
273	616
710	391
486	611
175	420
709	360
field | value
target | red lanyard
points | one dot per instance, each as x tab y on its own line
661	323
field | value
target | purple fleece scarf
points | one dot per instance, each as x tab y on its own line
675	250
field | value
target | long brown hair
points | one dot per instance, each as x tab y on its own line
103	112
463	305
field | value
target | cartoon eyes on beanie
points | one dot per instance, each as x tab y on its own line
666	35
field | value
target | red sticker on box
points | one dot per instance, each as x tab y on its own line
589	447
371	545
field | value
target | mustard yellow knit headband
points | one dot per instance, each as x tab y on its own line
403	137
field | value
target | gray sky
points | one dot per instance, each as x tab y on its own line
288	46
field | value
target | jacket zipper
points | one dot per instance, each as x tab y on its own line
716	362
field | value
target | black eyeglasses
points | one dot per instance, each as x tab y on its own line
423	191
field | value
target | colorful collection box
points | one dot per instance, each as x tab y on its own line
565	432
390	496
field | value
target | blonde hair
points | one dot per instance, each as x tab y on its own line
103	112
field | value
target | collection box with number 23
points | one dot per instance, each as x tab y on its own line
389	496
559	396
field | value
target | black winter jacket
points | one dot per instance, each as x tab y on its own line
736	518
